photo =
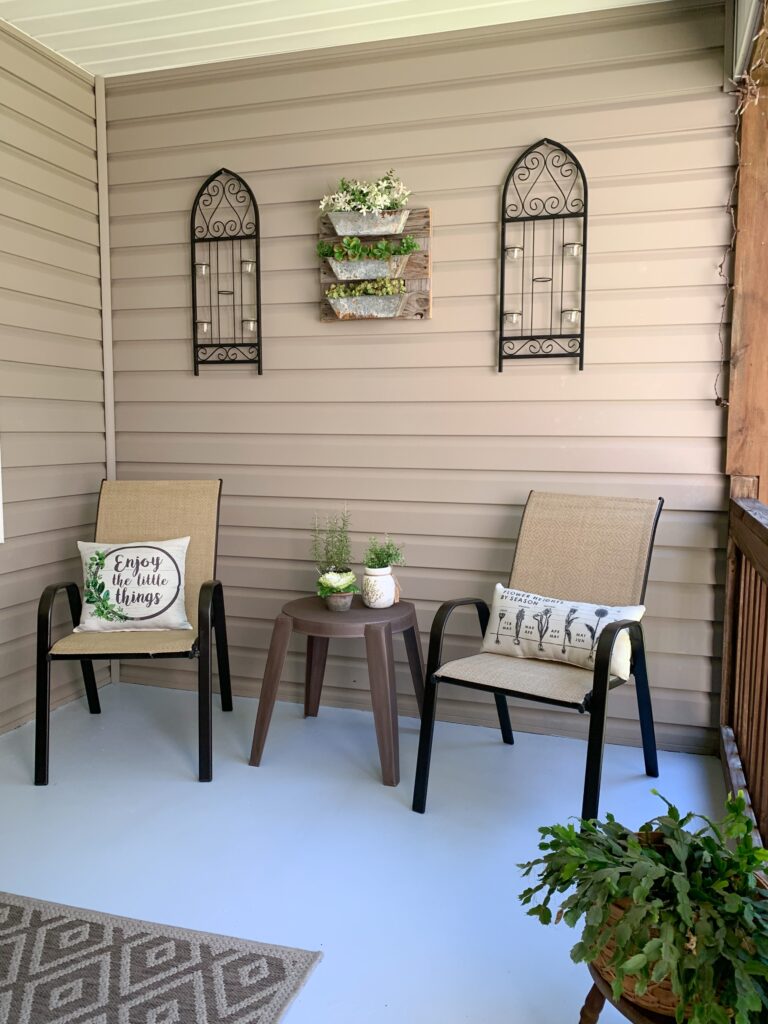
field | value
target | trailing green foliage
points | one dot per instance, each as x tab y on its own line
95	592
354	249
337	583
385	193
694	912
381	553
354	289
331	545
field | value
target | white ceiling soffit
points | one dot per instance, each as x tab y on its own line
113	37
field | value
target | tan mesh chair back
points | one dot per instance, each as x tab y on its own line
144	510
581	548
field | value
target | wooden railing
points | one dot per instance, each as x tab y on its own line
744	700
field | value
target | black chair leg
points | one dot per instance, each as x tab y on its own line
42	718
91	689
645	711
595	744
222	649
205	707
506	725
425	745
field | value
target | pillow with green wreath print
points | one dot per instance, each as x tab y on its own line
133	586
532	626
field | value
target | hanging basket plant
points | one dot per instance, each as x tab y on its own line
368	207
368	300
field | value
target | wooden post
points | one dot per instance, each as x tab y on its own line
747	444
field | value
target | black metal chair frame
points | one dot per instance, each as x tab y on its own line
211	623
594	703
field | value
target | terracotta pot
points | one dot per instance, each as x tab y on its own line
339	602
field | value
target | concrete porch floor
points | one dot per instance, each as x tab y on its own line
417	917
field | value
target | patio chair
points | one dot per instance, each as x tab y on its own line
590	549
145	510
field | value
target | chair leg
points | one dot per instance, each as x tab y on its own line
222	649
425	746
645	711
91	689
205	706
42	718
506	725
595	744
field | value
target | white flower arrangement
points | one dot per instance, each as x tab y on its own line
353	196
337	583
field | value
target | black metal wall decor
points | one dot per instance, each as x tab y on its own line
542	289
226	273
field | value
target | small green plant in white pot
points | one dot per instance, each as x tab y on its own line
368	207
332	554
380	587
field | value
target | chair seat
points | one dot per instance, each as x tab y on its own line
149	642
542	680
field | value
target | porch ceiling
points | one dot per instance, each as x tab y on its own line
112	38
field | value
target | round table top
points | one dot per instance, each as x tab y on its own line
310	615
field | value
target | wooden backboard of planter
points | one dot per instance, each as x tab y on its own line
417	272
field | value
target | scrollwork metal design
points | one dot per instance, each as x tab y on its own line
226	273
543	256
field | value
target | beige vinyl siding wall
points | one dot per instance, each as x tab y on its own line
51	386
409	421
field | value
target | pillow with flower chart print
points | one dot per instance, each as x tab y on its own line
532	626
137	585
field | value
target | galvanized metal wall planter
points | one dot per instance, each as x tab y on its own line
226	273
542	291
414	269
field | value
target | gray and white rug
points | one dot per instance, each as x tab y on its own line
60	965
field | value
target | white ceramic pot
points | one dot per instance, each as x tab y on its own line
380	588
387	222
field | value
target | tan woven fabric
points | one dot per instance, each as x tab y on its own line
145	641
538	679
582	548
143	510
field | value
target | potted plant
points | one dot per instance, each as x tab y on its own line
332	554
367	300
368	207
380	587
676	920
353	260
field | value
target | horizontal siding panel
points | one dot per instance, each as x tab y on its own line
48	145
23	518
45	246
27	380
22	204
21	345
45	415
41	176
28	483
59	449
40	107
48	315
551	419
29	277
71	85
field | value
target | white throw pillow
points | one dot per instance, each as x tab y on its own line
531	626
133	586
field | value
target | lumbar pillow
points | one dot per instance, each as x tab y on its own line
531	626
134	586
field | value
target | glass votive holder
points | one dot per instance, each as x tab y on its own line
203	326
514	317
514	252
573	249
202	269
571	316
248	266
249	325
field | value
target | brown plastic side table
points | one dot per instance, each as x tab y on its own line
600	994
309	615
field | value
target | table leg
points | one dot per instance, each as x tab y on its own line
278	648
381	672
317	653
416	661
592	1007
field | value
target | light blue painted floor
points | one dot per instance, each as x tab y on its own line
417	917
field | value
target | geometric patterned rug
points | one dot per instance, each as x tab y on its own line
60	965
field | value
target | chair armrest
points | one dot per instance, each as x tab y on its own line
440	622
211	593
605	644
45	611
